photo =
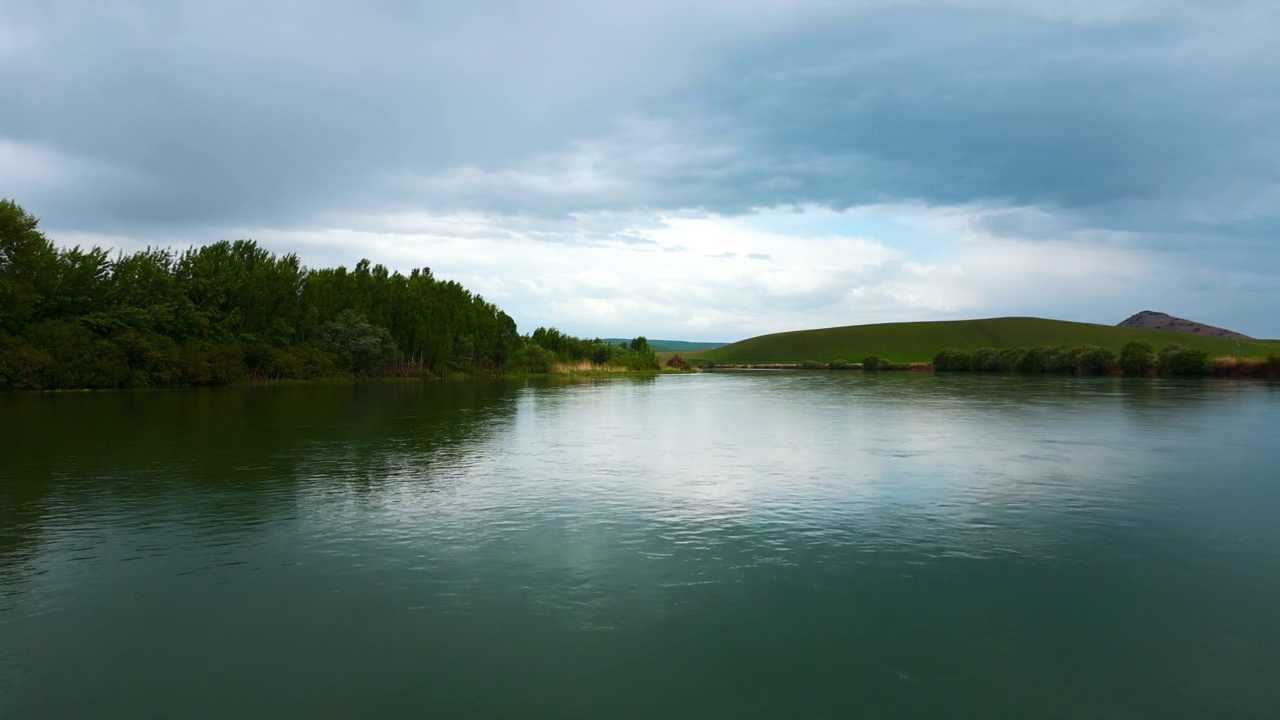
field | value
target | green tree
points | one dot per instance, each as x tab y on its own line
27	266
986	360
1093	360
22	366
1137	358
361	346
953	360
1177	360
1011	360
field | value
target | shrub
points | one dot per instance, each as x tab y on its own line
952	360
21	365
533	359
876	363
1177	360
1060	360
1036	360
365	348
307	362
838	365
1093	360
226	365
640	361
1137	358
986	360
80	360
675	361
812	365
1010	360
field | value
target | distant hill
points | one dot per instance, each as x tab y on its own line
673	345
1150	320
919	341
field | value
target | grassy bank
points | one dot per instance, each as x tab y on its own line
918	342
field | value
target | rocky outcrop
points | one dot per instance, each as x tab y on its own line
1149	320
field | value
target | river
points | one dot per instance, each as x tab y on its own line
728	544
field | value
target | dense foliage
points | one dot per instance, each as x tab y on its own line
232	311
1136	358
559	347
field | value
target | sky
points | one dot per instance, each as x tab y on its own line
679	169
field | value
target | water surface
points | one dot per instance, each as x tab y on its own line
791	545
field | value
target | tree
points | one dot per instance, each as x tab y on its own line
1037	360
1093	360
874	363
362	346
1011	360
1177	360
1137	358
952	359
27	262
986	359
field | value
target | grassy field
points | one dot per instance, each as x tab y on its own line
919	341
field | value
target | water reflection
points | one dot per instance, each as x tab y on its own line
825	544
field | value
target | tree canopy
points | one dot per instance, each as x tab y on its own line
232	310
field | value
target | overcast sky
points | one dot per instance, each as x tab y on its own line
683	170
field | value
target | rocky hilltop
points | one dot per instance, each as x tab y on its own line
1149	320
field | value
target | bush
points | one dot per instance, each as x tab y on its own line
675	361
21	365
1060	360
1093	360
1036	360
986	360
812	365
642	361
1010	360
876	363
226	365
307	362
363	347
838	365
1177	360
152	358
533	359
1137	358
952	360
80	360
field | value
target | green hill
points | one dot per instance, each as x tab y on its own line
919	341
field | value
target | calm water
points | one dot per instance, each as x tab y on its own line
826	545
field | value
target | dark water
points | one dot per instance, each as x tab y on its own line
825	545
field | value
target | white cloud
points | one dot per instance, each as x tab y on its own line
708	169
715	291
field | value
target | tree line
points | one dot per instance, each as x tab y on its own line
232	311
1136	359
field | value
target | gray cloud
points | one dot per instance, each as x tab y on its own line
248	112
1136	125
